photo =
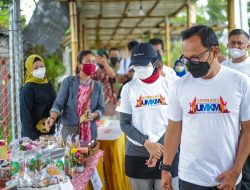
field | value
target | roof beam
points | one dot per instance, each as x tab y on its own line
121	19
124	17
143	18
98	25
125	27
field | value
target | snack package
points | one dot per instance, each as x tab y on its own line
3	150
58	135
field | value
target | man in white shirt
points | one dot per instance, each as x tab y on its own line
209	117
159	47
124	73
238	47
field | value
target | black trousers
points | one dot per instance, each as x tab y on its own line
189	186
245	183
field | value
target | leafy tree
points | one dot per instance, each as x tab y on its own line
54	68
210	14
4	14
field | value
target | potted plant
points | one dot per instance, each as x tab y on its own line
78	158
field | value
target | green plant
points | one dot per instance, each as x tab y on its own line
4	14
54	68
77	157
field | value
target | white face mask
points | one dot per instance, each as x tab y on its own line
39	73
143	72
236	53
179	68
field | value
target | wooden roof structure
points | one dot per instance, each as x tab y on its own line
113	23
109	23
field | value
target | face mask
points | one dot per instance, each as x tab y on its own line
198	70
179	69
143	72
39	73
236	53
114	60
88	68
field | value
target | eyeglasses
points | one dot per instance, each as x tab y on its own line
193	59
88	61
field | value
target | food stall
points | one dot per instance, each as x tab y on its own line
48	163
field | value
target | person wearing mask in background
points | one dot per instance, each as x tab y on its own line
36	98
114	58
209	117
179	68
159	47
238	47
169	76
80	101
143	119
106	75
125	74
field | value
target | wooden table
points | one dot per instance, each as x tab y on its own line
112	142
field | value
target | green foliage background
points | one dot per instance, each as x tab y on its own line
210	14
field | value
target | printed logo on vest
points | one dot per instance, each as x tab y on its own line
150	101
209	105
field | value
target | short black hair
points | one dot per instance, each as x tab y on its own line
82	54
157	41
102	52
113	49
238	32
132	44
206	34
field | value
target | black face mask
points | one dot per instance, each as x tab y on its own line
198	70
114	60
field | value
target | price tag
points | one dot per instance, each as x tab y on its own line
66	186
96	181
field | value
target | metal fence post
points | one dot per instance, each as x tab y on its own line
12	73
17	32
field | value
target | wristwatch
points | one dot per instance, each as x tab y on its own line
164	167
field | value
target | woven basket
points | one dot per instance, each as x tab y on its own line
95	149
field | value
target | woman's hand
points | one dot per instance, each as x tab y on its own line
154	149
49	123
151	162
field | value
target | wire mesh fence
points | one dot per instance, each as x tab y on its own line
5	86
11	64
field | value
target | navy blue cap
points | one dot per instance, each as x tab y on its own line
142	54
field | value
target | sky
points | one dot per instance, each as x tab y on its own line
27	7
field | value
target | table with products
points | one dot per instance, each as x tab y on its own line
83	180
34	165
112	142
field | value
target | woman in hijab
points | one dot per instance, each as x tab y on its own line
179	68
36	98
